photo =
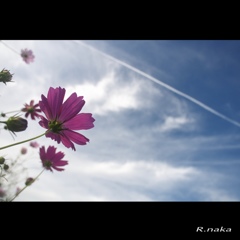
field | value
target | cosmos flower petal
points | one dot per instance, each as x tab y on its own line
57	156
76	137
54	136
42	153
45	107
51	151
71	107
58	169
43	122
62	163
67	142
82	121
32	117
55	99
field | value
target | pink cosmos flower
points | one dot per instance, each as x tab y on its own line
62	118
31	109
27	55
34	144
51	159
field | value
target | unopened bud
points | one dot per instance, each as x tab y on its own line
5	167
29	181
2	160
5	76
16	124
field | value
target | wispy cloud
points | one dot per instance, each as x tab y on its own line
204	106
108	94
171	123
127	181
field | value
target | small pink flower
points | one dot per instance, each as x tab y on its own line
31	109
62	118
34	144
27	55
51	159
23	150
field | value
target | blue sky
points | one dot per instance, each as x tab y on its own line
149	143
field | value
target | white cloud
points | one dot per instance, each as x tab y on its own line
171	123
125	181
112	181
112	93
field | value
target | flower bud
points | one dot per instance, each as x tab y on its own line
23	150
34	144
2	160
16	124
5	76
5	167
29	181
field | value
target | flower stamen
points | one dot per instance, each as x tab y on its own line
47	164
55	126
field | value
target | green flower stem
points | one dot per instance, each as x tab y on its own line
24	141
12	112
27	185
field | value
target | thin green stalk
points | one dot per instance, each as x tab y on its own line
12	112
24	141
26	186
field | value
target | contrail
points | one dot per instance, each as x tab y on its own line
162	84
9	47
